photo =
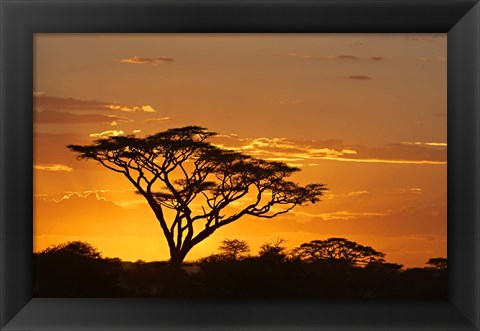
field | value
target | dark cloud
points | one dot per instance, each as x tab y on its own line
377	58
426	37
59	117
44	102
50	103
347	57
386	225
359	77
403	152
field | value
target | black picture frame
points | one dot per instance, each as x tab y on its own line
21	19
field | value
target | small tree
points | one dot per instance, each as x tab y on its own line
233	249
72	248
273	250
339	249
178	168
439	263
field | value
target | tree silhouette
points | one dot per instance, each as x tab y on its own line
438	263
234	248
338	249
273	251
178	168
77	248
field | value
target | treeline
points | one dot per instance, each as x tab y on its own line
334	268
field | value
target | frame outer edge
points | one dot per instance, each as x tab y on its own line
469	308
464	161
16	173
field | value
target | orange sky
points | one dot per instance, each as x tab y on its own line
364	114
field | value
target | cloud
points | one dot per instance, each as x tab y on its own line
348	151
144	109
146	60
38	93
347	57
426	37
339	215
413	190
44	102
300	55
425	144
157	119
432	59
108	133
356	193
399	161
335	57
359	77
72	195
311	151
58	117
52	167
286	101
119	197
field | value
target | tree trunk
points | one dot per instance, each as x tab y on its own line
175	276
176	262
177	257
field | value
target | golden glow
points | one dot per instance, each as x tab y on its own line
375	103
52	167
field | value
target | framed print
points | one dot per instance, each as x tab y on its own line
292	156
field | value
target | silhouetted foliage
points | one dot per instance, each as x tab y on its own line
234	248
75	269
273	251
177	167
73	248
338	249
78	270
439	263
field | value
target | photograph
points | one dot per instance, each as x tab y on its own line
240	166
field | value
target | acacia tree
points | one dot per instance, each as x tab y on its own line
234	248
178	169
338	249
274	249
438	263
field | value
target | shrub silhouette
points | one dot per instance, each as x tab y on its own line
76	269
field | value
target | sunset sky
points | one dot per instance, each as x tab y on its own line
364	114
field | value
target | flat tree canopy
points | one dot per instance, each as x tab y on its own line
339	249
178	169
